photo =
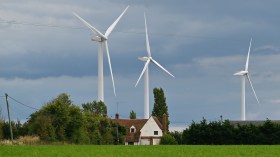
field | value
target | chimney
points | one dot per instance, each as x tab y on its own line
164	122
117	116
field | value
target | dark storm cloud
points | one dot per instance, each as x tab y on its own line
201	42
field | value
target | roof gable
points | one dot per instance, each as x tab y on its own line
158	122
150	126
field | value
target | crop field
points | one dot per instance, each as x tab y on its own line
138	151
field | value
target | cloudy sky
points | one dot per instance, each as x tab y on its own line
45	51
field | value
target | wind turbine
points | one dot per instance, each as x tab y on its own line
245	74
145	70
101	39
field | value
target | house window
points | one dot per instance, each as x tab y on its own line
155	132
132	129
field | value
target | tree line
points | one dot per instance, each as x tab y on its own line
61	121
225	133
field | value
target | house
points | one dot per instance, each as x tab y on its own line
142	131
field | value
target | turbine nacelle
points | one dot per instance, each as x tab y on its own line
241	73
98	39
144	59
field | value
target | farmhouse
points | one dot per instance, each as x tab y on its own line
142	131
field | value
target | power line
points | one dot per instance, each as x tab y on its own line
13	22
71	27
22	103
39	25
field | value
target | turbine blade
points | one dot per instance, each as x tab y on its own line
161	67
247	61
111	28
252	88
144	69
147	38
238	73
96	31
109	61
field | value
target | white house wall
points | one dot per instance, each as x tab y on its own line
145	142
149	128
135	143
156	141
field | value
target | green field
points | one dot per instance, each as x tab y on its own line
138	151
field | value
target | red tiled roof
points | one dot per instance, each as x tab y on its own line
128	123
158	122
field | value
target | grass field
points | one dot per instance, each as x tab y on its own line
138	151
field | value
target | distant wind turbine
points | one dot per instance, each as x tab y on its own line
245	74
102	40
145	70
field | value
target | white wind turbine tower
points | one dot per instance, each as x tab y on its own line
101	39
245	74
145	70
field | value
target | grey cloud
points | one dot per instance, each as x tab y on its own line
201	43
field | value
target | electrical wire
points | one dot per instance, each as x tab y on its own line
22	103
13	22
39	25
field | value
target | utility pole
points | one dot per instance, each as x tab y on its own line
118	134
117	107
8	108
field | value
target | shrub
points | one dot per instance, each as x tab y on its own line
28	140
168	139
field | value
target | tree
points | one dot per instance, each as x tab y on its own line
1	129
57	120
178	136
160	106
60	120
95	108
1	124
74	129
132	115
1	114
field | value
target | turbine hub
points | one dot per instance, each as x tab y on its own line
98	39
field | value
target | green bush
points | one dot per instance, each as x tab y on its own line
168	139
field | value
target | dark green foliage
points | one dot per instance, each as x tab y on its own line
209	133
178	136
119	133
160	106
75	130
95	108
17	127
132	115
168	139
61	121
216	133
270	133
1	129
